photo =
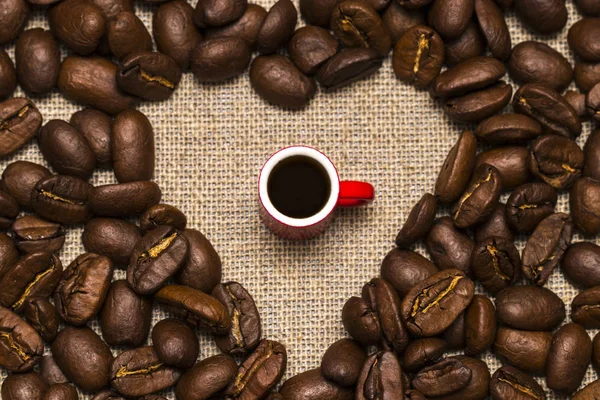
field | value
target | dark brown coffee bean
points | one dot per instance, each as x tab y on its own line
526	350
50	371
380	376
96	128
529	204
584	207
478	386
556	160
582	39
8	253
405	268
162	214
545	247
554	12
33	275
20	345
313	385
343	361
454	335
529	307
62	199
443	378
472	74
28	386
83	357
61	391
42	316
592	102
93	81
84	36
477	106
361	321
511	162
9	209
450	18
37	60
585	306
497	225
20	177
536	62
399	19
468	45
151	76
508	129
221	58
433	304
568	359
132	147
577	101
113	238
587	74
581	264
124	199
175	343
277	80
19	122
456	170
246	27
480	197
110	8
510	383
310	47
418	222
202	270
588	7
66	149
496	263
450	248
244	316
13	19
480	325
348	66
8	75
218	12
125	316
318	12
494	28
277	27
127	35
207	378
423	352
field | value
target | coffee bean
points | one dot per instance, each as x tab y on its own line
42	316
592	102
494	28
405	268
277	80
584	308
361	321
450	18
110	8
449	247
468	45
348	66
526	350
96	127
61	391
124	199
28	386
529	204
312	385
584	209
510	383
480	197
9	209
318	12
582	39
310	47
443	378
20	345
162	214
125	316
554	12
19	122
496	263
202	270
132	147
477	106
127	35
497	225
456	170
174	31
8	253
380	375
568	359
277	27
221	58
511	162
110	237
418	222
399	19
20	177
13	19
218	12
529	307
423	352
591	150
480	325
246	27
62	199
151	76
596	352
589	392
454	335
556	160
587	74
478	386
577	101
33	275
50	371
433	304
588	7
580	264
207	378
37	60
418	56
508	129
175	343
343	361
84	36
8	75
536	62
472	74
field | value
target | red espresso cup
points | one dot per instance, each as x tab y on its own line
299	189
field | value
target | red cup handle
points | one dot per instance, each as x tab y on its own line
354	193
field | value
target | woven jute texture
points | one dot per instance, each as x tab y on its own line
211	142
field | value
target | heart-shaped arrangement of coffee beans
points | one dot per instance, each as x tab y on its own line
413	314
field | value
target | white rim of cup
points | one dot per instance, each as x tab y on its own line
319	157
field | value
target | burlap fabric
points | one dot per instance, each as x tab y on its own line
211	141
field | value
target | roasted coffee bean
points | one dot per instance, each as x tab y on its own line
207	378
125	316
405	268
455	335
554	12
132	147
585	307
277	80
536	62
33	275
96	128
37	60
62	199
356	24
162	214
175	343
456	170
65	148
380	377
494	28
221	58
202	270
110	8
577	101
472	74
423	352
93	81
529	307
19	122
511	162
497	225
477	106
50	371
343	361
450	18
508	129
361	321
510	383
568	359
556	160
108	394
418	56
588	7
42	316
124	199
582	39
61	391
127	35
348	66
480	325
28	386
449	247
468	45
496	263
13	19
318	12
526	350
592	102
587	74
20	177
246	27
418	222
478	386
434	303
584	207
443	378
84	36
480	197
581	264
9	209
399	19
310	47
278	27
151	76
20	345
218	12
8	75
596	352
8	253
110	237
529	204
589	392
312	385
